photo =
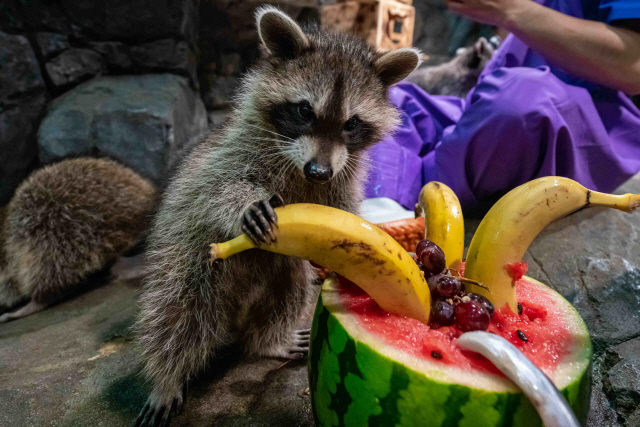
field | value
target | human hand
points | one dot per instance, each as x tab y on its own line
500	13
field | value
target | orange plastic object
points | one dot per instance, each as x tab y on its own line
408	232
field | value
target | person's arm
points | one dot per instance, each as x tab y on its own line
601	53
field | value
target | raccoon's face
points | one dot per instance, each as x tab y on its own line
324	96
477	56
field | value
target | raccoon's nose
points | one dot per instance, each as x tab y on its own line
317	172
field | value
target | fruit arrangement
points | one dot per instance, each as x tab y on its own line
384	342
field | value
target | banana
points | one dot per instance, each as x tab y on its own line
516	219
444	224
350	246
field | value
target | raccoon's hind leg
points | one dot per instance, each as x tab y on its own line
24	311
270	331
10	296
179	330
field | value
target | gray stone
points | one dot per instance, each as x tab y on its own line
144	121
51	43
33	15
622	380
218	92
166	55
19	73
18	146
600	412
22	101
116	55
141	20
74	66
634	419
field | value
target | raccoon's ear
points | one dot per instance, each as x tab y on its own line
279	34
393	66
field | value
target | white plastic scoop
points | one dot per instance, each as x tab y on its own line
543	394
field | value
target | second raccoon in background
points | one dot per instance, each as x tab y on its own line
458	76
64	222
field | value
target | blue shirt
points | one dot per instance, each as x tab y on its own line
608	11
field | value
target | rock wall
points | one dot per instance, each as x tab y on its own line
48	49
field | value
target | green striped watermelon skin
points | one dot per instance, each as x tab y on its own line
352	385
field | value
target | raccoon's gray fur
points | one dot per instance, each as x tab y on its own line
458	76
305	114
64	222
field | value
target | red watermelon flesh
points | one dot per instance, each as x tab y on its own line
549	339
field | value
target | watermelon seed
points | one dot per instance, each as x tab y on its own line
520	309
522	336
436	354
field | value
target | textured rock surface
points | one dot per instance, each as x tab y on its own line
22	101
166	54
51	43
118	20
74	66
144	121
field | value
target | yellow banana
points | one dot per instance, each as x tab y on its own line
350	246
444	224
516	219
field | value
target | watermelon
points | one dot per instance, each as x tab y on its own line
368	367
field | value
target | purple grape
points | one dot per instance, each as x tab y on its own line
422	244
484	301
432	282
449	287
472	316
443	313
431	256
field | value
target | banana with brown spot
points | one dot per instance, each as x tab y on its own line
350	246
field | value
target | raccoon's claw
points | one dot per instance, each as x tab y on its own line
155	413
299	348
260	218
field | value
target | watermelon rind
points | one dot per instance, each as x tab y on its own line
356	380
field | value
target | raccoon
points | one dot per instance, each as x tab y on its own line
305	116
458	76
65	222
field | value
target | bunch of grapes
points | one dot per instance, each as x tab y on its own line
449	303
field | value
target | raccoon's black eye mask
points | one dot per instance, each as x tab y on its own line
296	119
293	119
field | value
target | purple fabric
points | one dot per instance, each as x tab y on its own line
524	119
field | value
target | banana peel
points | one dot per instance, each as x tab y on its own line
350	246
444	223
516	219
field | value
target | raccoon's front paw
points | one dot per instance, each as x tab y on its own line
260	218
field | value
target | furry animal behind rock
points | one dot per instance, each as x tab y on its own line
305	116
63	223
458	76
